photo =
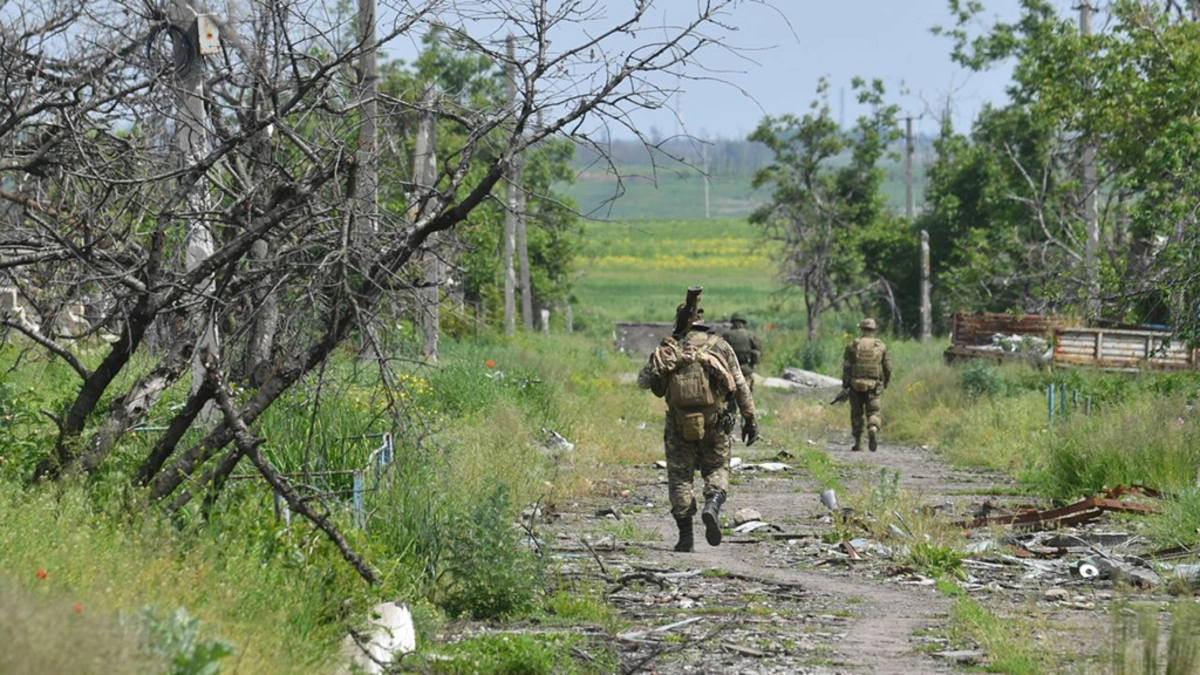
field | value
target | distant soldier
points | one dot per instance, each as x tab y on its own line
746	345
866	371
696	371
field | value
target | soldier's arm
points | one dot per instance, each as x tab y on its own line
741	391
847	364
650	378
756	350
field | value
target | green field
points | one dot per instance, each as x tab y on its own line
668	193
639	270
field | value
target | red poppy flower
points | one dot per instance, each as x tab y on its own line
41	574
769	326
79	608
490	363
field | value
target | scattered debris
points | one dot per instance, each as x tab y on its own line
1056	595
810	379
735	462
608	512
964	657
754	526
769	467
829	499
390	633
555	441
1083	511
661	464
743	516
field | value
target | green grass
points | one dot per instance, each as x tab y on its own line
639	271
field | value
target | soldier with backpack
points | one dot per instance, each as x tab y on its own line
866	371
745	344
696	371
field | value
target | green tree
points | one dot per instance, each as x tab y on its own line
826	209
1005	202
465	82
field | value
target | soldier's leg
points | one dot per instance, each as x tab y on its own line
874	421
856	418
681	469
715	451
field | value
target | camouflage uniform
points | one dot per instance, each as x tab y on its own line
710	454
746	345
866	372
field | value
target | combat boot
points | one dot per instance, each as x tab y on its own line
857	447
686	543
873	437
711	518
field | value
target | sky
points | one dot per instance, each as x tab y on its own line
781	48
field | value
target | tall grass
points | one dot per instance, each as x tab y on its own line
278	598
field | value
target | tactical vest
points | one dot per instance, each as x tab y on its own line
868	359
690	392
739	339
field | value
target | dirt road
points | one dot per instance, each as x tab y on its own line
779	603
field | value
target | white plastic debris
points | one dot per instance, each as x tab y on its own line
390	632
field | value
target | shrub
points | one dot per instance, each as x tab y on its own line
491	575
981	378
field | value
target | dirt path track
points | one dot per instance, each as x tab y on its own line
760	605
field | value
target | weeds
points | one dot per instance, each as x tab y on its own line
1136	645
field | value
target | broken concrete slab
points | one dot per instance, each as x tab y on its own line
812	380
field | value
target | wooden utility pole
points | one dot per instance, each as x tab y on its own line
926	283
424	177
1091	221
192	137
368	122
510	202
523	247
909	206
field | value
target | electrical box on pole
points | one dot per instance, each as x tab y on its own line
208	36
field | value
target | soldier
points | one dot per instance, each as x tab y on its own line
697	371
866	371
746	345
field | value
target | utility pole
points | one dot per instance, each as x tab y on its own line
1091	222
368	122
909	208
510	202
192	137
424	177
926	284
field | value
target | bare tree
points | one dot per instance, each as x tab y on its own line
99	198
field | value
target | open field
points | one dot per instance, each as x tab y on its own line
639	270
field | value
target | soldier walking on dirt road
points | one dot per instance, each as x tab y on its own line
696	370
866	371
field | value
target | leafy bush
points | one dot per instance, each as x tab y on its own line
491	575
176	638
981	378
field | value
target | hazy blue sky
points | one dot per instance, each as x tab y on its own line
786	49
885	39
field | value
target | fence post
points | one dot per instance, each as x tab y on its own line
1050	403
1087	405
1063	403
359	519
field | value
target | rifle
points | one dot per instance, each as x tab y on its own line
843	395
683	316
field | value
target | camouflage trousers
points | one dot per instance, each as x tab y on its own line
710	455
864	404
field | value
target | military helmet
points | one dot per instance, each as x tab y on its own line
867	324
737	316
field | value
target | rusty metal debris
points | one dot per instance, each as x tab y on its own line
1083	511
